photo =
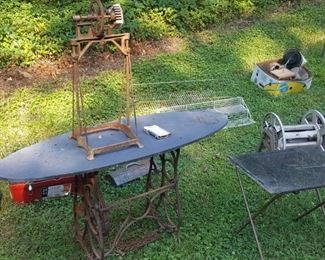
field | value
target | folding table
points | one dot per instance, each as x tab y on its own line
280	173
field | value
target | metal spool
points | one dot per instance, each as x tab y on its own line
316	118
276	136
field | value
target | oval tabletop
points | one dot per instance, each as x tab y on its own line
60	156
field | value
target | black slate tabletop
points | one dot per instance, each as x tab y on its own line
59	156
285	171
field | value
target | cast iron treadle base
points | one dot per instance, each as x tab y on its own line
159	204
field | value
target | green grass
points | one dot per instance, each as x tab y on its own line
211	200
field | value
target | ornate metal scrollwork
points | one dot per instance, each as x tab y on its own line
159	202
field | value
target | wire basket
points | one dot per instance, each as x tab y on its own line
234	107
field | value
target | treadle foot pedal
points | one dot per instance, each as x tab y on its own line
128	173
133	244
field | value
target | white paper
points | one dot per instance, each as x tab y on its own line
156	131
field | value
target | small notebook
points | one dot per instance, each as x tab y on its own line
156	131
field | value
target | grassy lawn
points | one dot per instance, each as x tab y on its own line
211	200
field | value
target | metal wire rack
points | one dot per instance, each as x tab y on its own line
234	107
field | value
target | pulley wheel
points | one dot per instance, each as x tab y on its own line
271	120
96	10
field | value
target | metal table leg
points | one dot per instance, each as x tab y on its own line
260	211
321	204
320	201
89	222
249	215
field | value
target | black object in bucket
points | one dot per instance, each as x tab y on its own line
292	58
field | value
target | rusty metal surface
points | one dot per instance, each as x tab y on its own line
97	28
160	205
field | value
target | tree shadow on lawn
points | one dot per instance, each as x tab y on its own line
199	61
228	59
